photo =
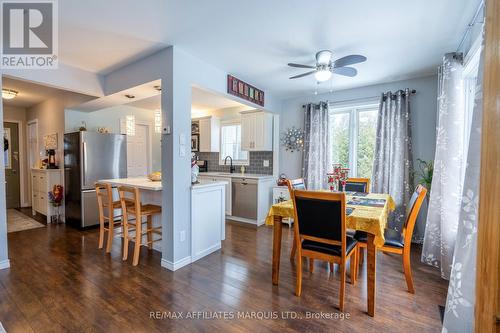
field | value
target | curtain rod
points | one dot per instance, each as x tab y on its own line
470	25
412	92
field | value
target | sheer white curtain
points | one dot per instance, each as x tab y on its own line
316	151
447	182
459	313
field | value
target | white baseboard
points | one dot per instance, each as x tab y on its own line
4	264
173	266
207	251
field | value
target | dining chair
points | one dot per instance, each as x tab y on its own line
295	184
358	185
107	218
320	233
131	206
400	242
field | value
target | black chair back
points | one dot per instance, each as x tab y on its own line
320	214
355	187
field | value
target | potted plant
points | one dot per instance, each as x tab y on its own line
425	173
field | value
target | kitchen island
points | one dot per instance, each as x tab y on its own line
207	211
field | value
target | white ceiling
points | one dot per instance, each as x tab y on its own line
29	94
255	39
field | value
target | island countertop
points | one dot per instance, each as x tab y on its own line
144	183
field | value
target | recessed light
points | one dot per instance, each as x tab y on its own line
9	93
129	96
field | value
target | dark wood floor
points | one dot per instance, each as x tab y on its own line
60	282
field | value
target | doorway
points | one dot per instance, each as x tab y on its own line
138	151
11	158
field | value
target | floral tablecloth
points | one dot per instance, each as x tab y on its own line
367	215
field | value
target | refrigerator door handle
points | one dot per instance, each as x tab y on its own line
84	152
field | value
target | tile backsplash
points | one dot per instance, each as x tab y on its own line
256	162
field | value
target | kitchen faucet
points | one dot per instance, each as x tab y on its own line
231	168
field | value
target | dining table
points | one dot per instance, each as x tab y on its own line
366	212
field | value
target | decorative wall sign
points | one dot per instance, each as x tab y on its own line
50	141
293	139
244	90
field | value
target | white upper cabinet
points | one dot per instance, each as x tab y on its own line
209	128
256	131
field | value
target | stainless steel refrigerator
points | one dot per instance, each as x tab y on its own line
89	157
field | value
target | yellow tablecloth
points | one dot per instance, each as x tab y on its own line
364	218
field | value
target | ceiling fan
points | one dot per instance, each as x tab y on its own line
325	66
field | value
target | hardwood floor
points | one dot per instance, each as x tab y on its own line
60	282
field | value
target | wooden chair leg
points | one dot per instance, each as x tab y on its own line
111	229
125	240
331	267
407	270
294	249
101	235
298	287
352	268
150	232
311	265
342	286
138	238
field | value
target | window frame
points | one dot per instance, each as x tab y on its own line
235	162
354	110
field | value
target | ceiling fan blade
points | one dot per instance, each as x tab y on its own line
346	71
349	60
302	75
300	66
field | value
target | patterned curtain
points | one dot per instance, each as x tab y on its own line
459	313
393	162
445	196
316	151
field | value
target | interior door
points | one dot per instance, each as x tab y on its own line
11	158
138	152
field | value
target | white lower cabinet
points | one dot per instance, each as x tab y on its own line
227	180
42	182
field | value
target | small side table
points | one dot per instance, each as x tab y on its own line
280	194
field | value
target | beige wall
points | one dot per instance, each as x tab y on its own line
50	116
16	114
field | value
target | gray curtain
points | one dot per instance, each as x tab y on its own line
316	152
459	313
393	162
449	165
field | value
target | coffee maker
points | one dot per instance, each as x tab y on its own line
51	154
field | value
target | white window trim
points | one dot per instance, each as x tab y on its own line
353	109
221	158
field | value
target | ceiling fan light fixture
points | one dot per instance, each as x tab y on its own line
323	57
323	75
9	93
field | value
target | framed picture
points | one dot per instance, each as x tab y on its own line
244	90
195	127
195	142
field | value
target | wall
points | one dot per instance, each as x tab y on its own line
19	114
423	106
50	116
4	252
110	117
256	164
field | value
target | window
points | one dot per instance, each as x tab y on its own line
352	137
230	144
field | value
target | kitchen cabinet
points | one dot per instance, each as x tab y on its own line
227	180
209	131
42	182
256	131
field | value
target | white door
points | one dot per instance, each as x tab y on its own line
138	152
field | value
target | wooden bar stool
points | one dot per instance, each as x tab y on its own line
107	220
131	205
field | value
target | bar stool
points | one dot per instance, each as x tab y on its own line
131	205
107	222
